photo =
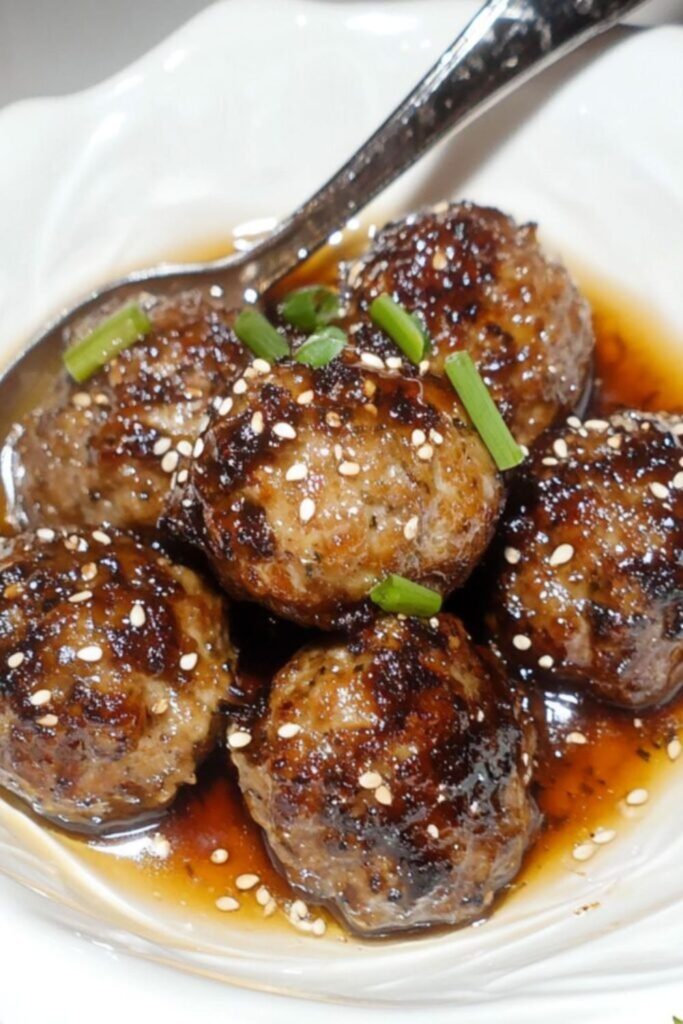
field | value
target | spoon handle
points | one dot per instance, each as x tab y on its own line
505	44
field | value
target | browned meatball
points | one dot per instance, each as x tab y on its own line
390	775
104	451
114	664
589	584
309	486
480	282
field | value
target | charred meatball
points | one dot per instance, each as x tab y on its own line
390	775
589	585
309	486
105	451
114	664
480	282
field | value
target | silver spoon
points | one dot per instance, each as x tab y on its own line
506	43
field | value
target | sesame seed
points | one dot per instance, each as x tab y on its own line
512	555
349	468
614	442
439	261
263	896
203	423
561	555
411	527
560	448
15	660
370	359
183	476
318	927
370	780
434	622
383	795
549	460
198	448
284	430
160	707
240	386
82	595
169	462
45	533
521	642
49	721
433	831
305	398
637	797
184	448
394	362
40	697
599	426
159	846
546	661
677	481
423	367
225	406
299	471
425	452
306	510
71	543
288	730
81	400
189	661
659	490
89	571
257	423
227	903
91	653
574	421
261	366
162	446
270	908
299	909
369	388
583	851
219	855
246	881
577	738
238	739
435	437
332	419
418	437
673	749
602	836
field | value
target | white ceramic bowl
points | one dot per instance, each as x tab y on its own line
234	120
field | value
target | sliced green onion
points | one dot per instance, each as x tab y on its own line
310	308
401	596
401	326
258	334
474	395
322	347
104	343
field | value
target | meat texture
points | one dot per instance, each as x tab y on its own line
390	775
588	585
114	662
104	451
480	282
309	486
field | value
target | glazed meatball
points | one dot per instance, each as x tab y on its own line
309	486
480	282
390	775
104	451
588	587
114	663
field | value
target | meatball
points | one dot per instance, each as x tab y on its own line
104	451
480	282
114	663
390	774
588	587
309	486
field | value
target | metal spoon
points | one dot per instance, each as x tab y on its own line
506	43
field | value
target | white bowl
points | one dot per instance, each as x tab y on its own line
234	120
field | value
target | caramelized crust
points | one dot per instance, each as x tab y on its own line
114	662
310	486
588	585
104	451
480	282
390	775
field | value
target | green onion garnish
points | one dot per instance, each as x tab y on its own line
260	336
401	596
322	347
310	308
474	395
104	343
401	326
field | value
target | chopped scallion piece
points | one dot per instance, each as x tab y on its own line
482	410
258	334
401	596
104	343
310	308
322	347
401	326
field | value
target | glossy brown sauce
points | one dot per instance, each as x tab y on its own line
579	787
